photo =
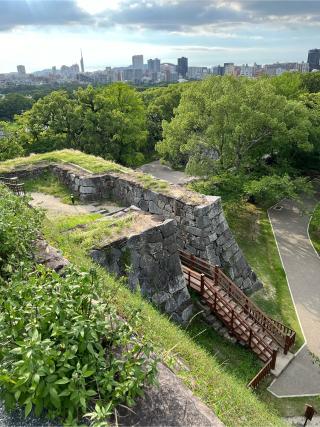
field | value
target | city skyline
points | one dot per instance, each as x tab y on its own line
44	33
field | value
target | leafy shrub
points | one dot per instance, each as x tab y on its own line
227	185
271	189
66	352
18	229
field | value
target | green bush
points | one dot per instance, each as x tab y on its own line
64	351
18	229
271	189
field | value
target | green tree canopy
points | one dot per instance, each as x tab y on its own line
160	103
14	103
109	122
311	81
225	123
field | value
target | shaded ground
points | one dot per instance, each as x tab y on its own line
160	171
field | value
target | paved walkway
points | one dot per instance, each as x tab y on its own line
302	267
166	173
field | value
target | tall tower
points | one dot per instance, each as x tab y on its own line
137	62
81	63
182	67
314	59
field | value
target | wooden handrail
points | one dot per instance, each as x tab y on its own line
283	335
234	315
266	369
278	331
13	185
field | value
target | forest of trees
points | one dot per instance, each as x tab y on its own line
231	131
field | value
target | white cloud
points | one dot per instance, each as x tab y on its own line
97	6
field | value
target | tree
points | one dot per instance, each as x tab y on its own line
12	104
289	85
160	103
311	81
50	124
109	122
225	123
9	144
311	159
113	123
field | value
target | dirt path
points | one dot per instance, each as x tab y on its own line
54	207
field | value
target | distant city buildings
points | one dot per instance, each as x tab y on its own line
314	59
154	72
137	62
81	63
182	67
21	69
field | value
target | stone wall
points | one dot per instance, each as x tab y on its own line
150	261
202	227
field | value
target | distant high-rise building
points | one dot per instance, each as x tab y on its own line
137	62
228	68
314	59
154	65
21	69
81	63
182	68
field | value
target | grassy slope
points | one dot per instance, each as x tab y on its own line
91	163
314	229
217	371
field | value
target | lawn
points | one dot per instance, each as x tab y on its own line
217	371
314	228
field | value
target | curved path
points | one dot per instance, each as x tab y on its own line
164	172
302	266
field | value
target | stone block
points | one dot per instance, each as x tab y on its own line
170	305
87	190
187	313
194	231
168	228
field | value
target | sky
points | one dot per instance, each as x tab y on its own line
43	33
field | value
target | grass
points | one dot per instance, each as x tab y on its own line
314	228
47	183
217	370
149	182
93	232
253	232
92	163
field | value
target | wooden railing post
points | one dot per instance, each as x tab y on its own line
202	284
274	358
189	278
232	316
215	301
250	338
287	344
216	274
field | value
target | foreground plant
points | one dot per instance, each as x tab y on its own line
19	227
64	352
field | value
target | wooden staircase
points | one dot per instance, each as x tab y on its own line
13	184
244	320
